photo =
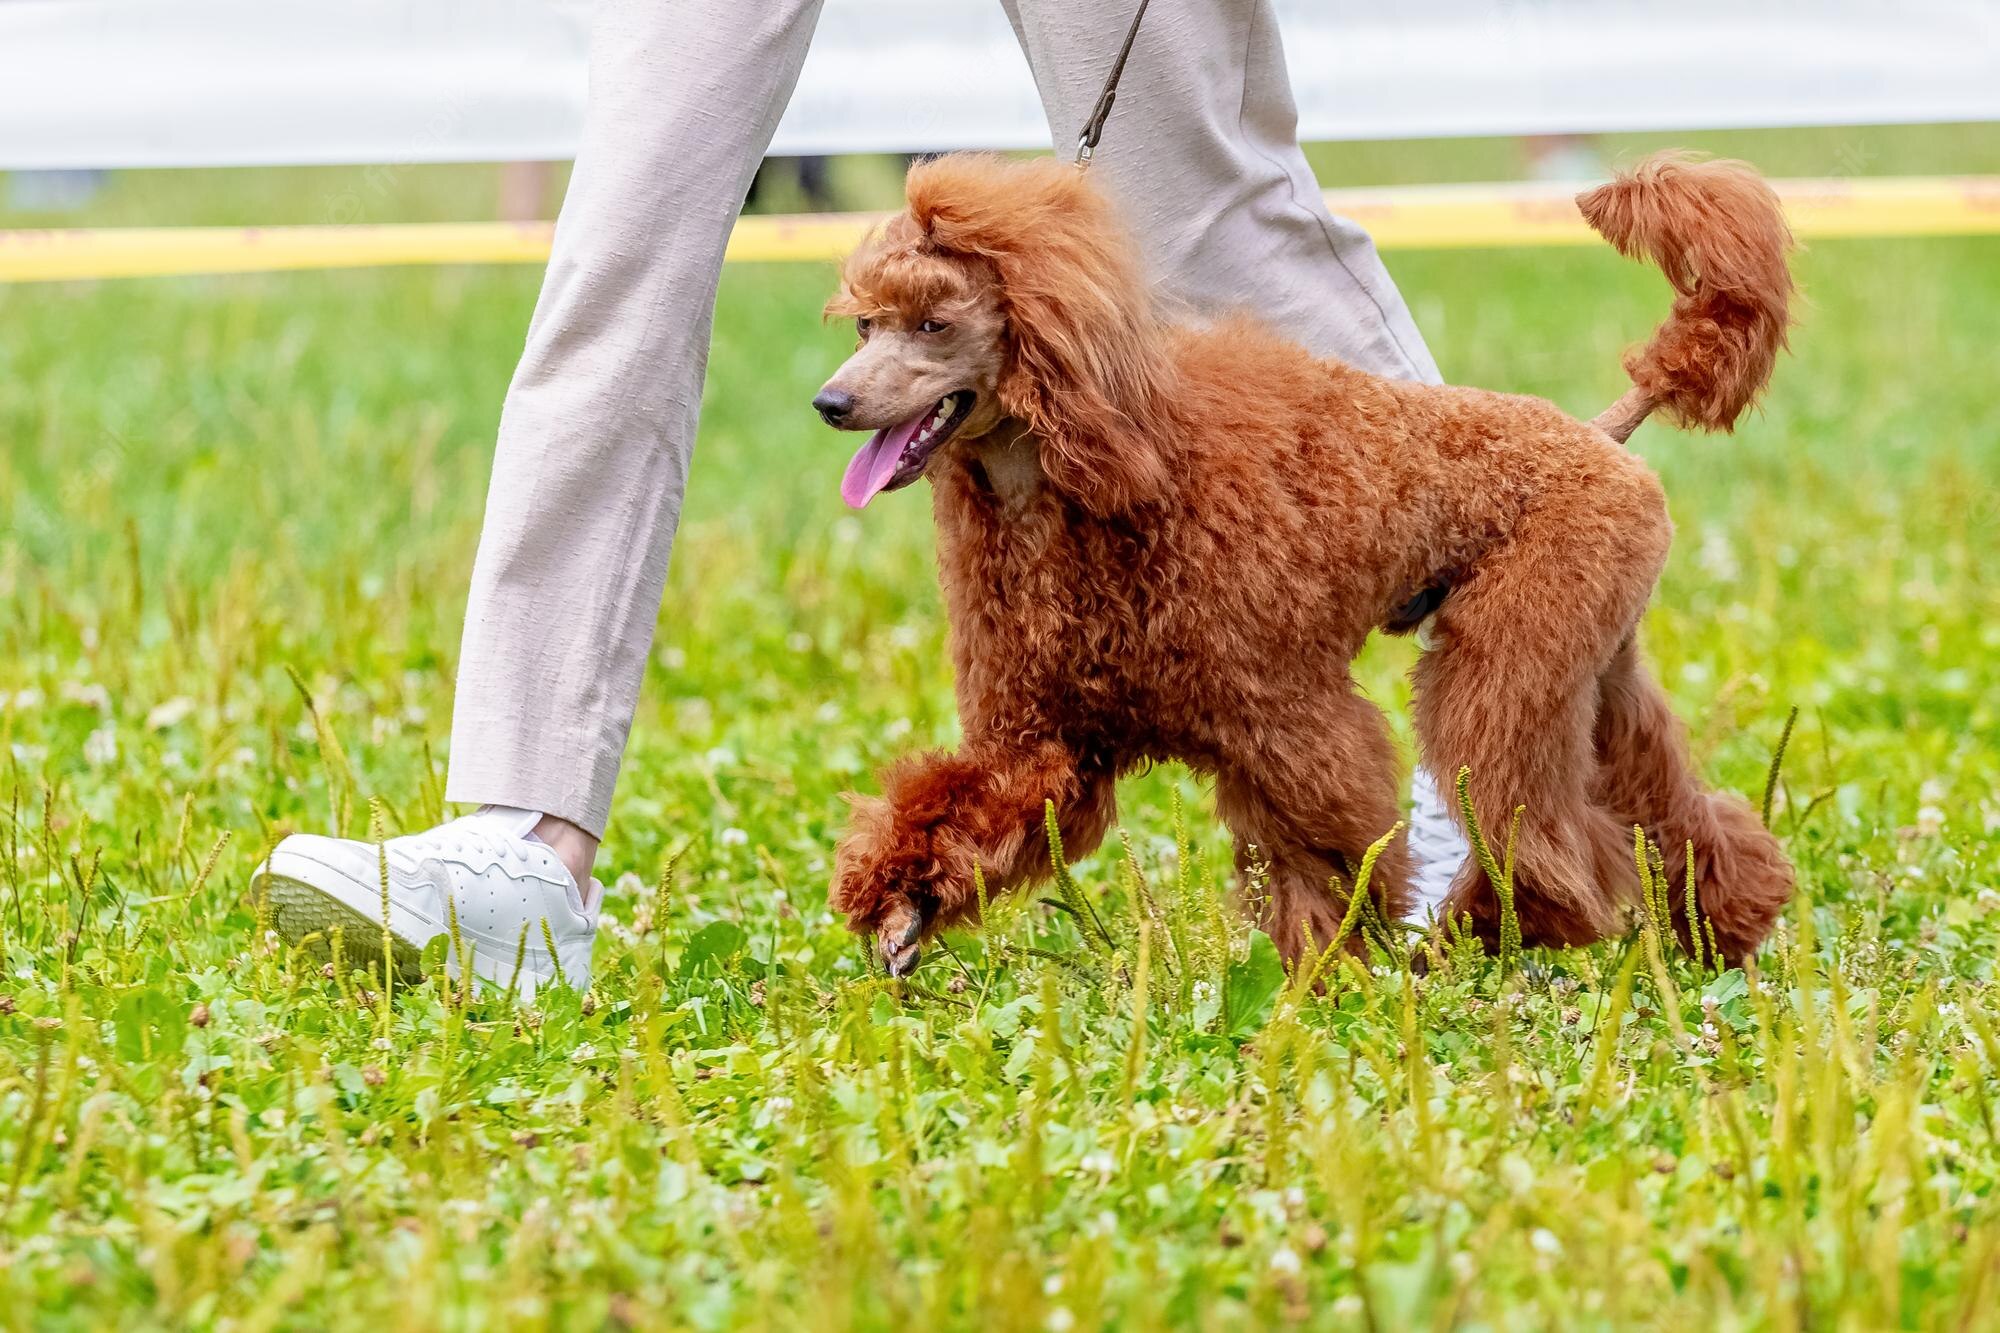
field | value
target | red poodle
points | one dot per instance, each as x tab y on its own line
1163	542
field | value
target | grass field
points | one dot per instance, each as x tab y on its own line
208	485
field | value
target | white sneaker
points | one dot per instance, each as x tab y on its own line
1437	847
503	882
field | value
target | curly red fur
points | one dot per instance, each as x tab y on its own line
1717	231
940	814
1170	542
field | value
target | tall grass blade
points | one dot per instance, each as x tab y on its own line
1778	763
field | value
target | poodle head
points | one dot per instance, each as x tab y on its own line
1006	292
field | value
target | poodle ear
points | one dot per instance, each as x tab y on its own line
1086	370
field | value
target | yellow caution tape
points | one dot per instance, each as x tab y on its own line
1471	216
1416	217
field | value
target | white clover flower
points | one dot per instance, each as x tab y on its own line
1100	1163
89	696
100	748
1930	821
1717	557
734	837
1284	1259
170	713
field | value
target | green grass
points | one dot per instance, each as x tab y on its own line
204	484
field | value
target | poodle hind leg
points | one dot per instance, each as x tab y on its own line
1308	811
1742	879
1510	694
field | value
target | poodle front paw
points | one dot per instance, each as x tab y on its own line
889	881
884	902
899	939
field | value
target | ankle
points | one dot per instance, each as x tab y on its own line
576	849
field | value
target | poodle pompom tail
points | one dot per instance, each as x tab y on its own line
1718	233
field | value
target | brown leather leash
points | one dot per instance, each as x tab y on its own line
1093	129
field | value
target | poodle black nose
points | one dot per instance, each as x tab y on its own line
833	405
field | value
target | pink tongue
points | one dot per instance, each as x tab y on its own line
874	464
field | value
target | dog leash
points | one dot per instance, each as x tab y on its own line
1093	129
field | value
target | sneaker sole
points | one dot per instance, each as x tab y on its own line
306	914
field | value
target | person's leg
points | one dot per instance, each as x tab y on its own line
580	516
595	438
1202	153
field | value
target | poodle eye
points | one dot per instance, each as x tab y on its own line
863	325
932	326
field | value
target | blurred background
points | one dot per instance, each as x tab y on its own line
87	86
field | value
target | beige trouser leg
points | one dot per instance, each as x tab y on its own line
595	438
1202	151
599	424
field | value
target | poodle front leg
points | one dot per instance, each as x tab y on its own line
1307	810
905	869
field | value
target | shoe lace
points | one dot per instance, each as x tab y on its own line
468	839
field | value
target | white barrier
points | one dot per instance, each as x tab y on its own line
128	83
